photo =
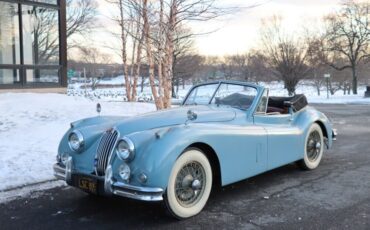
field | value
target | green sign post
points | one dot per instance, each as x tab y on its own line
70	73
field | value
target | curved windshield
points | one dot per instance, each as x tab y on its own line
201	95
227	94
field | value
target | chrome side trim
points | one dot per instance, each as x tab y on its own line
136	192
59	172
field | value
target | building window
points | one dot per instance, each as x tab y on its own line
9	76
9	33
40	35
42	75
31	39
54	2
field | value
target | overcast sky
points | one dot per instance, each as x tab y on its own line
238	33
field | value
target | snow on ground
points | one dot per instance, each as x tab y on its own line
277	89
31	126
32	191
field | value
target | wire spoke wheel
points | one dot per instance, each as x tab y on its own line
313	146
313	149
190	183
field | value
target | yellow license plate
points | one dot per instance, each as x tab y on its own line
88	184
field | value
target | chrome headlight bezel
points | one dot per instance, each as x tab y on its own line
126	153
80	139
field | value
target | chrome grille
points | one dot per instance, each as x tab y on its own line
105	148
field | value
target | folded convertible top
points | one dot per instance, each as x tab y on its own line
297	102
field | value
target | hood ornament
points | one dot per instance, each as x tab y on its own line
98	108
191	115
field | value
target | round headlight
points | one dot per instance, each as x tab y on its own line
124	171
76	140
125	149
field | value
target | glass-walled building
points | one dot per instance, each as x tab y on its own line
32	43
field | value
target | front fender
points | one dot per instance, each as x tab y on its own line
156	152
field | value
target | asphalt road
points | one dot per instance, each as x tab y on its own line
334	196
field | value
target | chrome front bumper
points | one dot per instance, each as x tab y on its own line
114	187
59	172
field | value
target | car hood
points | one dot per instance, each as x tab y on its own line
174	116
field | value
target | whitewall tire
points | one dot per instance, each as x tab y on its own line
313	148
189	184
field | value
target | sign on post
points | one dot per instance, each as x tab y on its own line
70	73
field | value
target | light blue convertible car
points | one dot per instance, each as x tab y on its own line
224	132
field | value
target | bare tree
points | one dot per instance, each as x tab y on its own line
81	15
172	15
185	68
316	60
257	67
348	35
92	58
285	53
149	51
235	67
161	23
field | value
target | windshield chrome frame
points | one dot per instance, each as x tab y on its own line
219	83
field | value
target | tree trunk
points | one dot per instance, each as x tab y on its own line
160	52
349	89
354	80
138	66
173	87
175	78
124	53
138	58
169	55
157	100
142	84
331	90
177	86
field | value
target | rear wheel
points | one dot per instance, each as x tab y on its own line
189	185
314	148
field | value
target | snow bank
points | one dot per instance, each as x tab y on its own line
31	126
277	89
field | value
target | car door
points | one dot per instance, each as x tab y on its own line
284	144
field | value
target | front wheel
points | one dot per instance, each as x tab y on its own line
189	185
314	148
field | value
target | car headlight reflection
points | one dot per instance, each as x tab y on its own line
125	149
124	171
76	140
